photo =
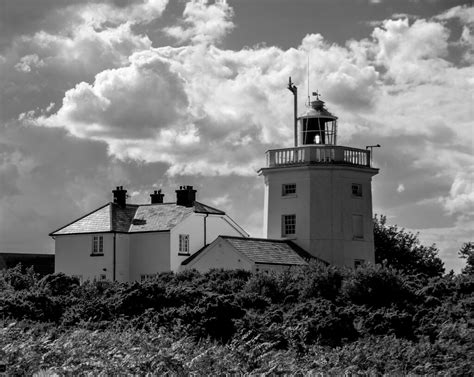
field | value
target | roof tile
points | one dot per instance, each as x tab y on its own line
261	250
134	218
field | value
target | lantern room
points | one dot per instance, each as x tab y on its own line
317	125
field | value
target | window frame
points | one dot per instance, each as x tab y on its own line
183	244
145	277
286	226
358	263
288	190
357	193
97	245
356	235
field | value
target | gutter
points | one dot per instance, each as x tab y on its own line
205	229
114	257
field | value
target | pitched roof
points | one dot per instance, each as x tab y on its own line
264	251
158	217
133	218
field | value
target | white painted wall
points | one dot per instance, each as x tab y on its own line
73	256
220	255
149	253
122	252
324	206
193	225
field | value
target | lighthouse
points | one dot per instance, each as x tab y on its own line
319	194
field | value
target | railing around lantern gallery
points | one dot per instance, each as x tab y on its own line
318	154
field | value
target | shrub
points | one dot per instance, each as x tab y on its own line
376	287
59	284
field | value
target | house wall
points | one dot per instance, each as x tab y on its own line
220	255
122	252
193	225
73	256
323	205
149	254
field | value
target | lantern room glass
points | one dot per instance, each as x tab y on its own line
317	131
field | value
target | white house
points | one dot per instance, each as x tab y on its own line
127	242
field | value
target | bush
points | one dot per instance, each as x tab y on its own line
59	284
377	287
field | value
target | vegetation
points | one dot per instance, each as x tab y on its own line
400	317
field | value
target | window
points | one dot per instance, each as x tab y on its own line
358	263
288	189
98	245
356	189
183	244
288	225
145	277
357	227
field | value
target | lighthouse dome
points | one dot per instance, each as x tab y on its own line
317	125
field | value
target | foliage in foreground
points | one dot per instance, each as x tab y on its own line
373	320
72	352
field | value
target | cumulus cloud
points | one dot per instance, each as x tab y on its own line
203	22
173	101
123	103
464	13
411	53
51	60
29	62
461	195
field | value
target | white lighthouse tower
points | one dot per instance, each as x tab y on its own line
318	193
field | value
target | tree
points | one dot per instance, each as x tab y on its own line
467	252
402	250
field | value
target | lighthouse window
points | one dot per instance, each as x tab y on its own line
356	189
357	227
289	189
288	225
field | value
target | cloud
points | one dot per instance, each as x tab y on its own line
464	13
124	103
411	53
461	195
29	62
203	22
58	55
170	102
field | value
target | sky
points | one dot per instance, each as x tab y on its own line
153	94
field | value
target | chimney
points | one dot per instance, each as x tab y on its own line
185	196
157	197
120	196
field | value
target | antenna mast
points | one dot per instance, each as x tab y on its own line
307	84
293	89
